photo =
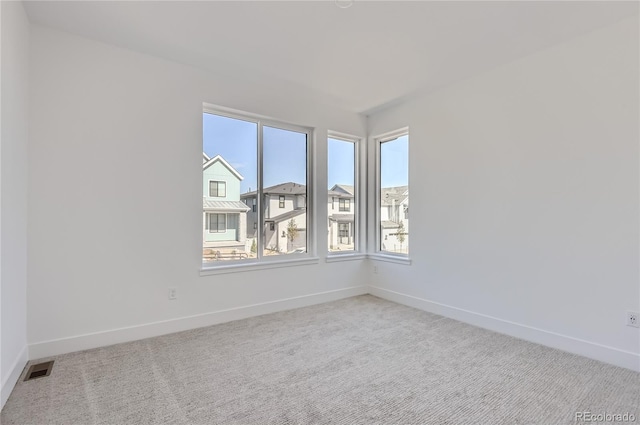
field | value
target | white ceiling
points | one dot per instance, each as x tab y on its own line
361	58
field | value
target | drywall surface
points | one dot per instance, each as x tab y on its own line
13	193
115	196
524	193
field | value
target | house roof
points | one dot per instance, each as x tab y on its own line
286	216
339	194
220	159
342	218
209	205
396	193
289	188
205	158
347	189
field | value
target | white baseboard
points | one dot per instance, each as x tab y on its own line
16	370
581	347
100	339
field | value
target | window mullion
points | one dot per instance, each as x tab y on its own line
259	197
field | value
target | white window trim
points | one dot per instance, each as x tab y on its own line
359	223
265	262
225	188
390	258
345	256
249	265
375	253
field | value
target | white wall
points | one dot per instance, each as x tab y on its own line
524	197
14	71
115	208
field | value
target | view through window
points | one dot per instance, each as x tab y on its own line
341	163
393	195
251	208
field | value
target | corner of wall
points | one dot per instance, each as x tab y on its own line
16	370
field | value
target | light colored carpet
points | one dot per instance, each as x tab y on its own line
361	360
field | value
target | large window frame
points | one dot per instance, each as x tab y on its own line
359	230
261	260
376	244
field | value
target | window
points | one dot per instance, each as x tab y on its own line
342	173
217	223
343	230
246	153
392	193
217	189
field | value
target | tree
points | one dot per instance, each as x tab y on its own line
254	247
292	232
401	234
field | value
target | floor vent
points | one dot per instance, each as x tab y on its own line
39	370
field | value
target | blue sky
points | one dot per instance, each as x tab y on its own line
394	162
285	152
340	163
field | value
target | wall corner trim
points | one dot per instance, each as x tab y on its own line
16	371
149	330
592	350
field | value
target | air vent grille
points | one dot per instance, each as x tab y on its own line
39	370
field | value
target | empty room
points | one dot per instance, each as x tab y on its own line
205	219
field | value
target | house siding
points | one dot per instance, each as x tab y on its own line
218	172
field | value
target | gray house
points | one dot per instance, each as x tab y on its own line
341	217
281	203
394	218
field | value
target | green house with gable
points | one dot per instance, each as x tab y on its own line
224	218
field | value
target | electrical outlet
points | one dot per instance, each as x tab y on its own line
633	319
375	268
173	293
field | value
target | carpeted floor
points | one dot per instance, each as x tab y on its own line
361	360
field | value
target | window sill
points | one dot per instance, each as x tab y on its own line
247	267
333	257
390	258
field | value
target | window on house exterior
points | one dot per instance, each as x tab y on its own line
343	230
342	185
243	163
217	223
217	189
392	193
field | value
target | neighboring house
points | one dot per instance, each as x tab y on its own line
281	203
394	218
341	209
224	216
287	201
